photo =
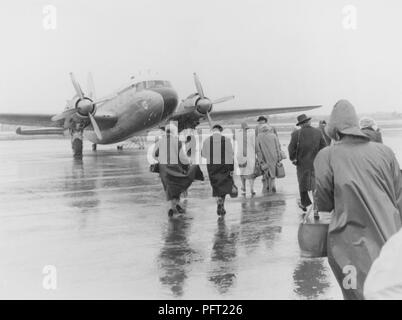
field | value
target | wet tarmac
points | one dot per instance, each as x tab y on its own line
102	223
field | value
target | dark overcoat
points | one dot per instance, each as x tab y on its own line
218	151
175	172
304	145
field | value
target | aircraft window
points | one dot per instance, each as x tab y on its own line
150	84
159	83
140	86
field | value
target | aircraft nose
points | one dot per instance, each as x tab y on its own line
170	100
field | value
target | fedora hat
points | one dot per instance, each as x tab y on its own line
218	127
344	120
262	118
302	119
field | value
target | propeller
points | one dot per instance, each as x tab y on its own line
203	104
84	106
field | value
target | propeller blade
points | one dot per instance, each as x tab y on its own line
64	114
77	87
91	86
209	120
95	126
198	86
224	99
110	97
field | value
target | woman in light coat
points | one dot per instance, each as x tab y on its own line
246	157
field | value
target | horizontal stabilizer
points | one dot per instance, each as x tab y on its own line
43	131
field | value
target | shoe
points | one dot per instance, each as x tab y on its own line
316	216
180	209
253	193
171	212
243	191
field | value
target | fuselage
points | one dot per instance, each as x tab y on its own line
139	107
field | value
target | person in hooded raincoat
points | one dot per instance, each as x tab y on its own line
175	169
218	151
361	182
268	154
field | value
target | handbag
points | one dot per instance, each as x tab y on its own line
234	192
243	165
154	167
312	238
279	170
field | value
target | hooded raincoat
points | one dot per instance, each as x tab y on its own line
361	182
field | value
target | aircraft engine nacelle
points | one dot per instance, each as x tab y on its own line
200	105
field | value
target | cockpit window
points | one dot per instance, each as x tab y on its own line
153	84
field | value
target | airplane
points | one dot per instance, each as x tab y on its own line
131	111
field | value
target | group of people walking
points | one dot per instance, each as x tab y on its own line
342	164
258	154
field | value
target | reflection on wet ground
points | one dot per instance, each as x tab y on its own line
102	222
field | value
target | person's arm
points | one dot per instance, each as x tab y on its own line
293	145
278	149
397	175
258	150
155	153
324	178
229	154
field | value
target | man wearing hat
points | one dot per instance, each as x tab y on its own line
218	151
361	182
303	148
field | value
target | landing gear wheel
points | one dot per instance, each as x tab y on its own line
94	147
76	145
119	147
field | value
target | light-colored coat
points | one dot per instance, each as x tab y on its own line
361	181
268	151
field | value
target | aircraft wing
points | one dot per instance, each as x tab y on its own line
26	119
246	113
105	121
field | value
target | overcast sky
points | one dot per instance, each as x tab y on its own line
266	53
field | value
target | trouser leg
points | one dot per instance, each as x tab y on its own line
305	199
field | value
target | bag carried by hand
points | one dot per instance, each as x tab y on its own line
279	170
235	192
312	238
154	167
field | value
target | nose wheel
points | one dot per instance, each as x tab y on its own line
94	147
